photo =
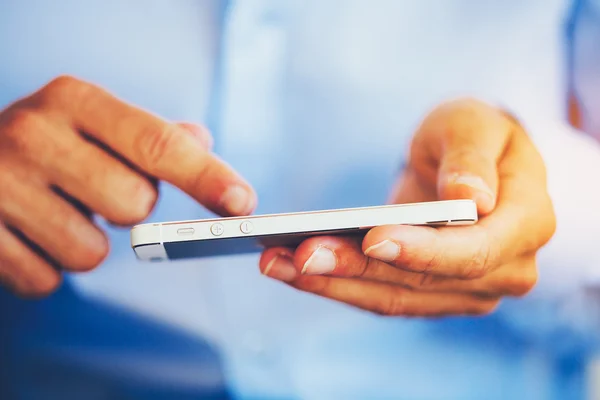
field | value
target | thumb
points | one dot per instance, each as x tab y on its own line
468	176
468	138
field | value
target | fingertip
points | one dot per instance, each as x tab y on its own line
308	247
220	188
305	250
397	243
239	199
379	234
458	186
46	287
268	254
277	263
485	203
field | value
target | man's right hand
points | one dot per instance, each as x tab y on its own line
70	150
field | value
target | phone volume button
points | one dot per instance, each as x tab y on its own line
217	229
246	227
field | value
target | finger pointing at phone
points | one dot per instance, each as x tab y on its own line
70	149
463	149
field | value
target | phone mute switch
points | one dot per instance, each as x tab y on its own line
185	231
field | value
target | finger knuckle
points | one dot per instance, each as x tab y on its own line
548	223
524	282
479	263
393	305
64	91
426	280
157	143
465	106
20	130
199	131
459	103
432	263
64	85
23	119
460	115
543	218
367	265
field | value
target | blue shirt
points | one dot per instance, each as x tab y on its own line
314	101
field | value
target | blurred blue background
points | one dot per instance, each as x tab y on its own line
315	103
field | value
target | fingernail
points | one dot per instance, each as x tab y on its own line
281	268
486	194
384	251
237	200
473	181
321	261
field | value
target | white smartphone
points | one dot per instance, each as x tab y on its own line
238	235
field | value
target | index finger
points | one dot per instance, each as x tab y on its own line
521	223
159	148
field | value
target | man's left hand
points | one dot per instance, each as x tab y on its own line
463	149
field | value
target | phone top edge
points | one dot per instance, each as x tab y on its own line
284	214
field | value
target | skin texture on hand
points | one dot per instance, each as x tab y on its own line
464	149
71	150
